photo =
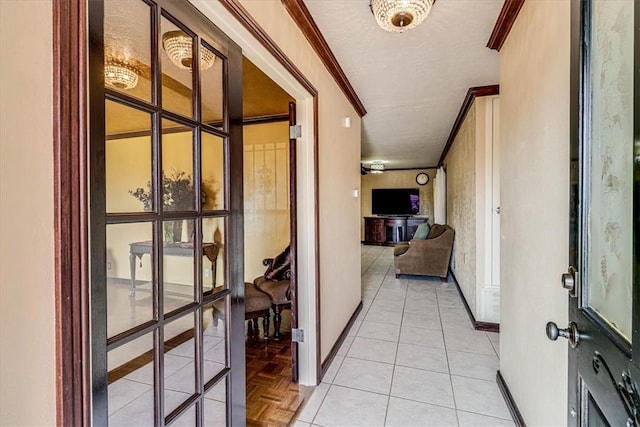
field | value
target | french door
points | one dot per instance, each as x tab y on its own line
166	231
603	283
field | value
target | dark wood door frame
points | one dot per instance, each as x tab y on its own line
293	240
73	394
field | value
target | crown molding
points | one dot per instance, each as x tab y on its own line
472	93
303	19
507	17
246	20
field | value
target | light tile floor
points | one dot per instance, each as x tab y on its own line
411	358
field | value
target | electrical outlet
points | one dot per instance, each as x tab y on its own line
207	273
108	265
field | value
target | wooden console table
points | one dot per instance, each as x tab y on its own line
184	249
390	230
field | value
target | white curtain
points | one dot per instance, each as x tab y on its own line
440	197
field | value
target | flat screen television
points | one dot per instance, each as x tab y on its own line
395	201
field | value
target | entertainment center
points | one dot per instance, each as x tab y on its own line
390	230
394	221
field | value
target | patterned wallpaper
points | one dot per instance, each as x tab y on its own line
461	205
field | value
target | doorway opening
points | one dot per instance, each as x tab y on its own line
273	395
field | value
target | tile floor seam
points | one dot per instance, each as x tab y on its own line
358	389
395	359
473	378
472	352
484	415
319	406
434	404
446	353
368	360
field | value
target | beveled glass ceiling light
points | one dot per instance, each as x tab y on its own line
177	44
120	75
376	167
400	15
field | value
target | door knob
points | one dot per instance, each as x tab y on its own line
571	333
569	280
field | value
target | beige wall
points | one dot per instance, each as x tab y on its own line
27	368
397	179
534	96
460	164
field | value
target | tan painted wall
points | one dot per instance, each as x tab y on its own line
534	96
397	179
27	369
460	164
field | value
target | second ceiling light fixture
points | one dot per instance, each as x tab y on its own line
400	15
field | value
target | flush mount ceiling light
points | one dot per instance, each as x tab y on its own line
400	15
376	167
178	44
120	75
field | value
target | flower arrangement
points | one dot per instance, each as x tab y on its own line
177	193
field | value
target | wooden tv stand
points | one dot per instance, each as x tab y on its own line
387	231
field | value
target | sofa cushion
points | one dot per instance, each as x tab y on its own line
254	299
280	268
422	231
278	290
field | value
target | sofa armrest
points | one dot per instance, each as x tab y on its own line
400	248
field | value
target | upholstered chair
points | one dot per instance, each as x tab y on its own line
277	284
428	257
257	305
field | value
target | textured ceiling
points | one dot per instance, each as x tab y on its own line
412	84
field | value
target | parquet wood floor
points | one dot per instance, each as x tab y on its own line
272	398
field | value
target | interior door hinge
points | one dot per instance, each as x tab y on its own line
295	131
297	335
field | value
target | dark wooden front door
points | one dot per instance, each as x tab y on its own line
166	217
603	330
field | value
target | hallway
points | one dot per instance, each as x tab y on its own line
410	359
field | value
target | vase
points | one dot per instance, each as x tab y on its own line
172	231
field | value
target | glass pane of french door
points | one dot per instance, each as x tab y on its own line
161	219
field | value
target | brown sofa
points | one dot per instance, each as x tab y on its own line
428	257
